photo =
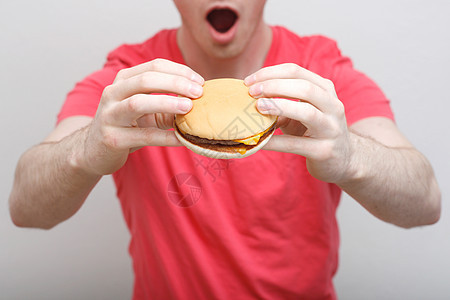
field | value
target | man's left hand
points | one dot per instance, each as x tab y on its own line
311	117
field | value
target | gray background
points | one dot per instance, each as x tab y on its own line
46	46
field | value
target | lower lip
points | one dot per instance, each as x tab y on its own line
225	37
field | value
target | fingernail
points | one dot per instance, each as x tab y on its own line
197	78
256	90
249	80
196	90
184	105
264	104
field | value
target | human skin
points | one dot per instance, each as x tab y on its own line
230	55
371	161
54	178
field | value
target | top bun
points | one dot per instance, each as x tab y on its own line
225	111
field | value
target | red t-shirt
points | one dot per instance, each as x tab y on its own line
259	227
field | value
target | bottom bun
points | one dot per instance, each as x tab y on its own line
221	154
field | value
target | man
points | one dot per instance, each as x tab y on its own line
261	227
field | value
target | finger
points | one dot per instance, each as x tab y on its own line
153	82
162	66
304	146
299	89
288	71
126	112
303	112
131	138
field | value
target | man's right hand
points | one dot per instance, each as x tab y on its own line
54	178
136	111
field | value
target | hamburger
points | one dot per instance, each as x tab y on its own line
224	122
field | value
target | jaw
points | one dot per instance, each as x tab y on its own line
224	41
234	60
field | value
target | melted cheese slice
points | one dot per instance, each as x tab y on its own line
253	140
242	151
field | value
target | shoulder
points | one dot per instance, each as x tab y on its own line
311	41
305	50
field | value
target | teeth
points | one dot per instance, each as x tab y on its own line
222	19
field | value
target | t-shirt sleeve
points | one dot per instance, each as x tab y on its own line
361	96
84	98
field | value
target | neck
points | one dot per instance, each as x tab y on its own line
249	60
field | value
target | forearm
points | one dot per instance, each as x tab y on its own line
49	187
396	185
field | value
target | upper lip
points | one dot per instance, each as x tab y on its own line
221	6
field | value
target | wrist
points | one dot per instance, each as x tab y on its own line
77	158
357	163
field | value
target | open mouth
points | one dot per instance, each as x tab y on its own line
222	19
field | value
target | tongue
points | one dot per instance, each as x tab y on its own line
222	19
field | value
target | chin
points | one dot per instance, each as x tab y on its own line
225	52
